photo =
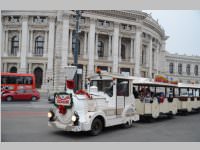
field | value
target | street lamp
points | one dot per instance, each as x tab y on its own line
78	16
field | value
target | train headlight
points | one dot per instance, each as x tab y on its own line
74	118
51	115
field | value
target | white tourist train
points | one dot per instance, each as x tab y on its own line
113	99
108	101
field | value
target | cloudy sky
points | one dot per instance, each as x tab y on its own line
183	27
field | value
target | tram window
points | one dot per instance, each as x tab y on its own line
8	80
4	79
28	80
19	80
122	87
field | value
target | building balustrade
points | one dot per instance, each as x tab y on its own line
13	20
38	54
39	21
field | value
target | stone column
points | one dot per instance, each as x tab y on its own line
5	67
150	58
120	49
6	44
84	76
137	52
2	41
162	59
24	48
44	84
109	48
20	45
96	53
70	43
115	48
45	44
2	67
157	59
31	43
85	45
51	47
30	68
91	46
65	35
131	51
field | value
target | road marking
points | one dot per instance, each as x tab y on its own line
26	106
23	114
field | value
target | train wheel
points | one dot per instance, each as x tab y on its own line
96	127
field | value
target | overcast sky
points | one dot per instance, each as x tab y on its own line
183	27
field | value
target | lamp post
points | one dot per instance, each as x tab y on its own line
78	16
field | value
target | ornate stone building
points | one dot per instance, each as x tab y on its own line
182	68
127	42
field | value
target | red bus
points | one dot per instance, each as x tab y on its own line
16	81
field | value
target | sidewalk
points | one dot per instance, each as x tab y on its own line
43	93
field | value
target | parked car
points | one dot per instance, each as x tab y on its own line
51	97
21	94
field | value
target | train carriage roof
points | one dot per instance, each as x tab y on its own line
150	82
109	76
186	85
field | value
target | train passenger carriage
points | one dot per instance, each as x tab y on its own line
189	97
154	99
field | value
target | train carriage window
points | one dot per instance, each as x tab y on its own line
122	87
101	84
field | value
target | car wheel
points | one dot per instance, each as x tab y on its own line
34	98
96	127
9	98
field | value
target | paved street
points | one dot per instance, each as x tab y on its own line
27	122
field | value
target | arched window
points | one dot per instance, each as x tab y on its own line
171	68
14	45
100	49
188	69
196	70
180	68
13	69
39	46
123	51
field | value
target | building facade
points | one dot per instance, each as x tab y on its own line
127	42
182	68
